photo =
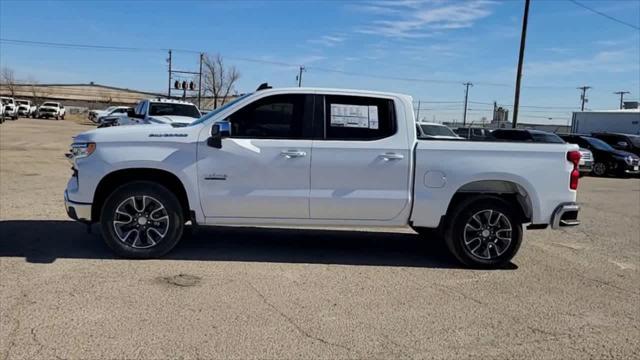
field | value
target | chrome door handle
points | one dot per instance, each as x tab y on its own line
289	154
391	156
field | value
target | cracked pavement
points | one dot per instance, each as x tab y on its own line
241	293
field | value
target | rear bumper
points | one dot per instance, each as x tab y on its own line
565	215
77	211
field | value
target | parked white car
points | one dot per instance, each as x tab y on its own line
10	110
51	110
1	112
162	111
317	157
435	131
25	108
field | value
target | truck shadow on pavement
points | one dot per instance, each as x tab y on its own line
44	241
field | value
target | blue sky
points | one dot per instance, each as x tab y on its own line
433	45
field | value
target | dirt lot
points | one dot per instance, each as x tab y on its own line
269	293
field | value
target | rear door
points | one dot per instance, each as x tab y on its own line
361	160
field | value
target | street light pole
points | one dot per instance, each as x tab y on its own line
621	93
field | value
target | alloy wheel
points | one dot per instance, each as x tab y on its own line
141	222
488	234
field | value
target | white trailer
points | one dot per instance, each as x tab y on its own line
615	121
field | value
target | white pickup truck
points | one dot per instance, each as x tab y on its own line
317	157
160	111
51	110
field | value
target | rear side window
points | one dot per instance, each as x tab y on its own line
358	118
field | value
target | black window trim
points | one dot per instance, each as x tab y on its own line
392	111
308	103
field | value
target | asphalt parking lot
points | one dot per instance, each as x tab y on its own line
281	293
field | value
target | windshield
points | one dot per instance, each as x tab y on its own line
635	140
22	102
160	109
216	111
109	109
50	104
598	144
7	101
436	130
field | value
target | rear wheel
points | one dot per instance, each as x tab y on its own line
142	220
484	232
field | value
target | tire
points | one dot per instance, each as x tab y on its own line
483	247
120	232
600	169
57	117
62	117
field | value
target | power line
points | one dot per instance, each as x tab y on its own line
260	61
605	15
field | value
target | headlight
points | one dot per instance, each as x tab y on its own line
628	160
82	150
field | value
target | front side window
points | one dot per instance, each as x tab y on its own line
358	118
272	117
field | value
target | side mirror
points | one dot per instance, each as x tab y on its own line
219	130
622	144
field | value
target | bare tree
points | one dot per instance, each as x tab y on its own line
218	80
38	93
8	81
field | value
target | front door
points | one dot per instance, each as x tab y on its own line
262	169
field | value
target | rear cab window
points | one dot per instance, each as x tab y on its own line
358	118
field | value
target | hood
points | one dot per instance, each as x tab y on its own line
135	133
168	119
622	153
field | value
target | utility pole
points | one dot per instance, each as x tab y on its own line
418	112
200	83
621	93
299	77
466	97
169	94
583	96
523	40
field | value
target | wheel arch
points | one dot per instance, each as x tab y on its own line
117	178
511	191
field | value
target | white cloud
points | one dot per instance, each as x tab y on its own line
610	61
328	40
419	19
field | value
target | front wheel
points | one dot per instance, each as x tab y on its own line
142	220
599	169
484	232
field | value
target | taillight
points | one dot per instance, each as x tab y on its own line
574	158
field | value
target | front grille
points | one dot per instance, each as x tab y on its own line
586	156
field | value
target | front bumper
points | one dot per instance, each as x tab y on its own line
77	211
586	167
565	215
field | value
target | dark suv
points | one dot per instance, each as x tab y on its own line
624	142
607	160
526	135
